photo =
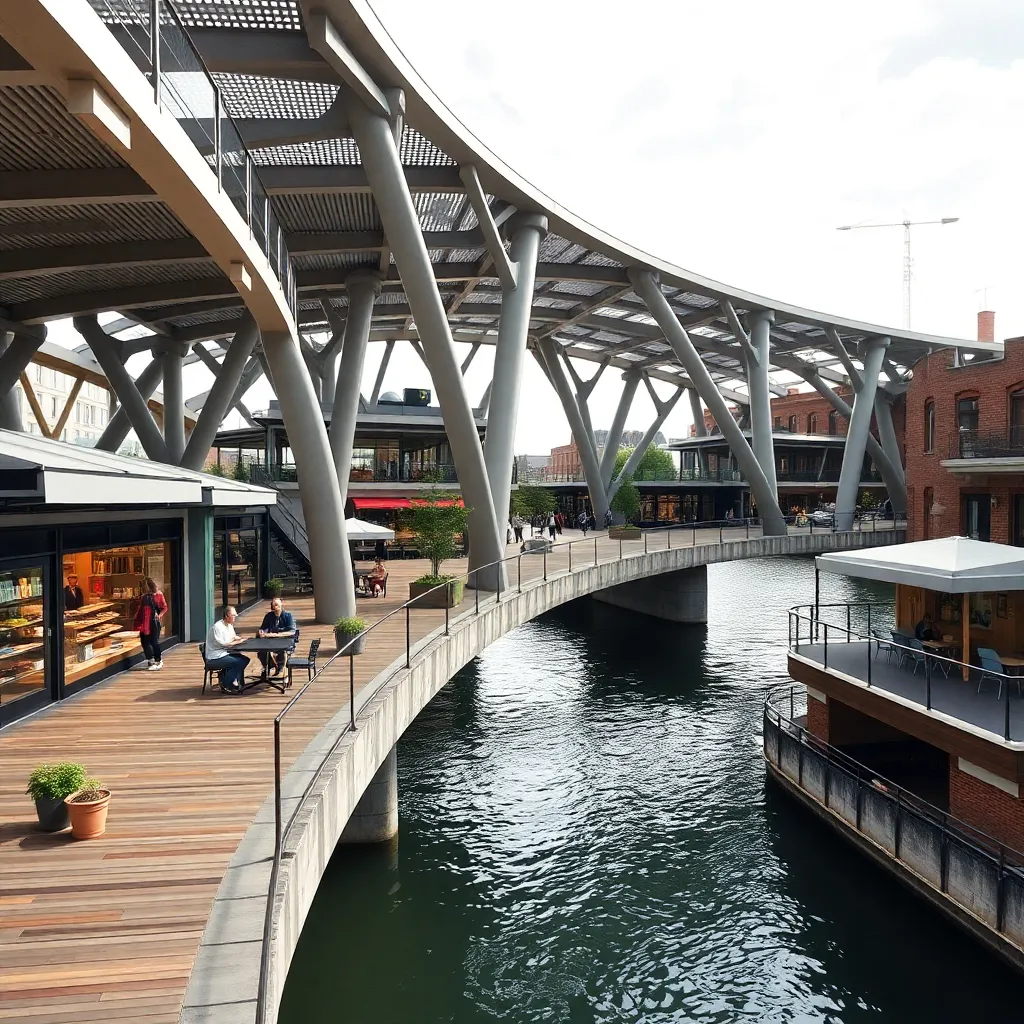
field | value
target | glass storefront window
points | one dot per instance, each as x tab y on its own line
22	634
102	591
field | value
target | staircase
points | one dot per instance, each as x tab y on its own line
289	543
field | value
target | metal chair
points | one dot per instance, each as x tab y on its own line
992	668
209	671
881	643
916	653
308	663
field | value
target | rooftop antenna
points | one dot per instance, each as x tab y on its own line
908	263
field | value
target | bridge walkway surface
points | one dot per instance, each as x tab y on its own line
109	929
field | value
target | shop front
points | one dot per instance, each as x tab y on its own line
68	602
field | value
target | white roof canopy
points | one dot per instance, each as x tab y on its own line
360	529
953	565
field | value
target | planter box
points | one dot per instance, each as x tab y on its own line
434	596
52	814
340	639
623	533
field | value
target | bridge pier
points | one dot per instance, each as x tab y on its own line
375	819
680	596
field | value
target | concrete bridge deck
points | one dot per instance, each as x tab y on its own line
173	896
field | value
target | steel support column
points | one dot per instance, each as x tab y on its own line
118	425
384	172
858	432
218	401
547	356
645	442
363	287
104	349
892	477
171	355
700	428
760	394
10	404
630	382
887	432
526	232
329	374
649	290
333	591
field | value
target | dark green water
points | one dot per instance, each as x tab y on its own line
587	836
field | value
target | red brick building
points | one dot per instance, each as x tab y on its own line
564	463
965	446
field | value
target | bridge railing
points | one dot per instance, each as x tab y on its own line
522	569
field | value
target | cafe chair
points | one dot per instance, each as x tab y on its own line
992	668
308	663
209	671
883	644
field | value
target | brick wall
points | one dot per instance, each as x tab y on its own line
995	812
936	379
817	718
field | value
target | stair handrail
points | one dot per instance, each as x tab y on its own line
260	476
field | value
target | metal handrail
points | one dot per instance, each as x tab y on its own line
282	830
774	702
818	627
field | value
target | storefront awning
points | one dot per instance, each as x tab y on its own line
389	503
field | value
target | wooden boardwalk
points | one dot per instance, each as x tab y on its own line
107	930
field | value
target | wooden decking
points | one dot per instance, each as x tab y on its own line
108	929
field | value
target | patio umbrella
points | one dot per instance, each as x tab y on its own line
360	529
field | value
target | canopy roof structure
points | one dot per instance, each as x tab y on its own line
953	565
71	251
36	470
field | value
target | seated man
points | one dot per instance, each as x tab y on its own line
219	641
925	631
378	574
277	622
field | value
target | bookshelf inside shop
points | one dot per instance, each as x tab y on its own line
22	633
101	631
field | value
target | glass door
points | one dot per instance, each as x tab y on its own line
26	673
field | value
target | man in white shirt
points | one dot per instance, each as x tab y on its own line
219	641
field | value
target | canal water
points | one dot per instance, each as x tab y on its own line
586	835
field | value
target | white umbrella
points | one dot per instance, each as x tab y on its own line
360	529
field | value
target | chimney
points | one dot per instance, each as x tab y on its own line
986	325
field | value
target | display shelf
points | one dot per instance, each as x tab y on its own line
21	600
88	609
88	638
21	652
21	625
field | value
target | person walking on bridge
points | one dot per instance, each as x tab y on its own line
583	521
552	526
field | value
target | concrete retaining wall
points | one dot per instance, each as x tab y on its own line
223	983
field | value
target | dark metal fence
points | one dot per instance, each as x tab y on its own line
981	876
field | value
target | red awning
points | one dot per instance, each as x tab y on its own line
386	503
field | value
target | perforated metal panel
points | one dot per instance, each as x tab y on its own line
322	153
418	151
240	14
317	211
252	96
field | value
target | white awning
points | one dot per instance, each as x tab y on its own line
360	529
953	565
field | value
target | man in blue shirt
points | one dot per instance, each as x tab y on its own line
277	622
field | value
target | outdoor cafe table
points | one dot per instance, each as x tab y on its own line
945	649
273	644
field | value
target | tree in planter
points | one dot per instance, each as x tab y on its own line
240	471
437	519
627	500
656	464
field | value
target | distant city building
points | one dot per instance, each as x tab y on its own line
530	469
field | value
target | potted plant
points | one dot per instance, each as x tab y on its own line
272	588
48	785
88	809
437	519
347	628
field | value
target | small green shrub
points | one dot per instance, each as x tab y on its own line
92	790
432	580
56	781
274	587
214	469
350	625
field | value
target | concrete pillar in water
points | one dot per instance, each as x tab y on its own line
375	819
680	596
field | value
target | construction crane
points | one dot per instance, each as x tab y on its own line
908	263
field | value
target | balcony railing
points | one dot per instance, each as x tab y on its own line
184	87
972	444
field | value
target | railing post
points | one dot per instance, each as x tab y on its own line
570	556
277	789
943	860
352	690
800	757
500	567
1000	889
446	618
1006	715
645	542
828	774
720	528
896	827
860	793
595	550
927	684
154	47
519	572
217	101
620	549
847	623
476	589
669	534
545	554
791	703
825	624
248	191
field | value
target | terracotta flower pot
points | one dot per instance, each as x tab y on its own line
89	817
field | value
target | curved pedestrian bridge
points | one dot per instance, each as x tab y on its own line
161	920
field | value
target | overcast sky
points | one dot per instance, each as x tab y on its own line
732	138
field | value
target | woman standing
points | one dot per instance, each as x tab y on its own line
148	620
